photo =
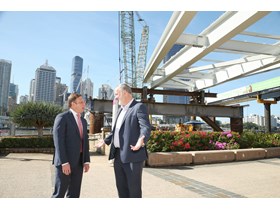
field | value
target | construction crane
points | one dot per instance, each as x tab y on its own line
130	73
142	53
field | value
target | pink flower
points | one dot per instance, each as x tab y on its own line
229	135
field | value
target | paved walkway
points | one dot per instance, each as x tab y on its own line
31	175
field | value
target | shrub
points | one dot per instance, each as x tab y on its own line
27	142
160	141
247	139
253	140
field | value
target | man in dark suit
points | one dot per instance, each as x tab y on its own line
128	138
71	143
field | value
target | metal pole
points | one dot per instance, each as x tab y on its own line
267	117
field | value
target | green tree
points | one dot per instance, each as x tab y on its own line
35	114
250	126
219	123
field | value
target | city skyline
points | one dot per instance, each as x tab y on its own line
30	38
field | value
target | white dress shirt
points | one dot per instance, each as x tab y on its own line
75	115
119	124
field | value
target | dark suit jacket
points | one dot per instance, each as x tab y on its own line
135	124
67	140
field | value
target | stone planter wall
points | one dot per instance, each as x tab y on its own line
26	150
272	152
157	159
215	156
249	154
169	158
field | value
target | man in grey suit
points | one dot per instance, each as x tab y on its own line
71	143
128	138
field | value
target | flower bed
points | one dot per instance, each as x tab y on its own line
167	141
168	148
173	141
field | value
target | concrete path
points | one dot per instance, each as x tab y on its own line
31	175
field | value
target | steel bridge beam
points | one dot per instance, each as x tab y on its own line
106	106
174	28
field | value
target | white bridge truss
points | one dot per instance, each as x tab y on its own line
191	69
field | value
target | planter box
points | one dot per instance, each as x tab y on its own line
249	154
216	156
272	152
157	159
27	150
169	158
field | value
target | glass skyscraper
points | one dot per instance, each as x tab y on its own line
45	78
76	74
13	92
87	88
5	75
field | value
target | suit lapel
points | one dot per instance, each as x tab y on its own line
129	110
118	113
73	121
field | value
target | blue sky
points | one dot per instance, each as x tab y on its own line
29	38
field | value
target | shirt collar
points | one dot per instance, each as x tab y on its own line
127	105
73	112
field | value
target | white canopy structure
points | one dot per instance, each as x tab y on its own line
193	67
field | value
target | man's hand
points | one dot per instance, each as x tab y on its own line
100	143
86	167
139	144
66	169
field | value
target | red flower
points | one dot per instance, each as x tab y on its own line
187	145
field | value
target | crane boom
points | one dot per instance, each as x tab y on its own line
127	46
142	55
130	72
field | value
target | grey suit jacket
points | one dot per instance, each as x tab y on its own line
67	140
135	124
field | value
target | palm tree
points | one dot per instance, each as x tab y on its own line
35	114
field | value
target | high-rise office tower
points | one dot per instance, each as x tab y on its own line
106	92
87	88
76	74
60	90
32	90
45	83
13	95
175	99
13	91
23	99
5	75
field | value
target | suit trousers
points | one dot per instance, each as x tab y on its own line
69	185
128	177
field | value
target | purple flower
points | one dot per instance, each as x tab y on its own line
229	135
220	145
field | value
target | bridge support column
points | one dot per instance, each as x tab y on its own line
236	124
96	122
267	118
